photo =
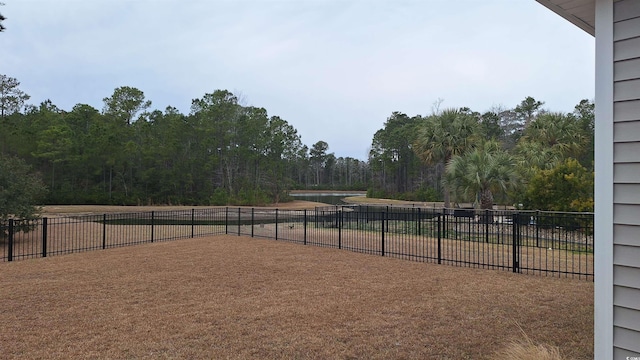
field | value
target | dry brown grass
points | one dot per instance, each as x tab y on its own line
556	262
526	349
237	298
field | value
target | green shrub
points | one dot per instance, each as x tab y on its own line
566	187
220	197
20	193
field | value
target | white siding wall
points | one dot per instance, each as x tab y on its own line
626	179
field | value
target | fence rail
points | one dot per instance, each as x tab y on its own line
535	242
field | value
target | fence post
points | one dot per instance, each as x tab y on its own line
10	254
445	225
44	236
439	238
252	220
384	216
486	224
152	224
339	219
419	231
193	221
104	231
238	221
514	245
226	220
366	219
276	224
405	217
305	226
537	225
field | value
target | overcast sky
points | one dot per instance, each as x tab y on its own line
335	70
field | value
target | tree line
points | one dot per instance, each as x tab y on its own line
221	152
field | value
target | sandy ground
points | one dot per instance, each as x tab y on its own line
237	298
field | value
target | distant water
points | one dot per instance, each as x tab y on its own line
327	198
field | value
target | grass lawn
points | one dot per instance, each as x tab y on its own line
236	297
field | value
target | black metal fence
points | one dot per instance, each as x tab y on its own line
534	242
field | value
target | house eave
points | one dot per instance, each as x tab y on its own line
579	12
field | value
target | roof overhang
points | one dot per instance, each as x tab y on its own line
581	13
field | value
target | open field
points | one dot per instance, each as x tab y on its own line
53	210
237	297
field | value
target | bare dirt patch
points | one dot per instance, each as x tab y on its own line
236	297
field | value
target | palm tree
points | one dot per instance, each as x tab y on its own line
533	156
548	141
561	133
442	136
481	173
